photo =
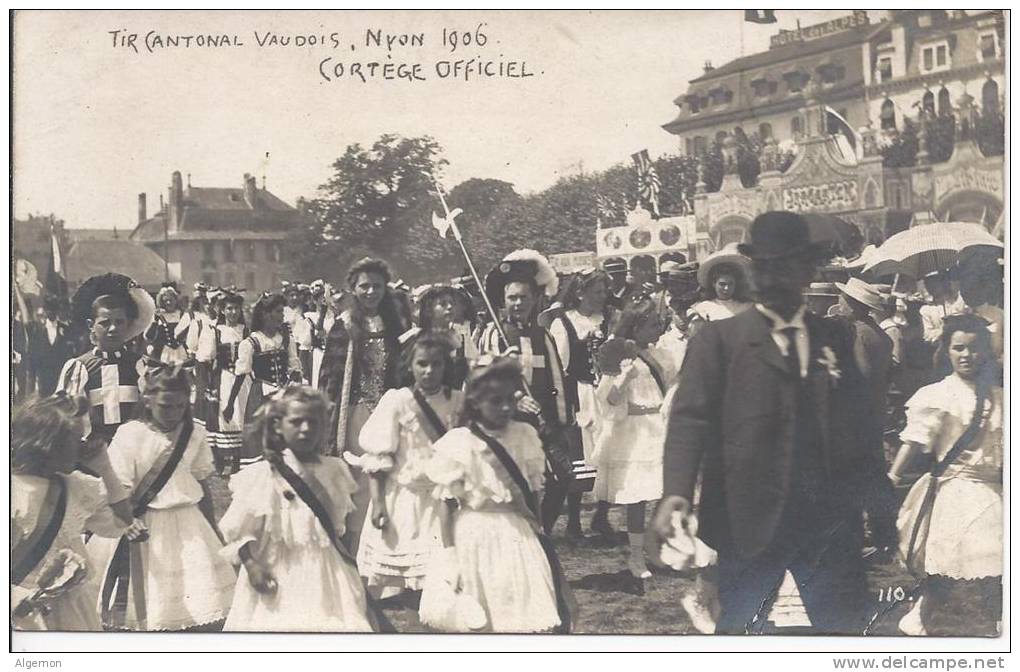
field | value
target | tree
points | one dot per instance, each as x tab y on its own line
379	199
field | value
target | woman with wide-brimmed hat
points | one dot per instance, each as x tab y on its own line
724	280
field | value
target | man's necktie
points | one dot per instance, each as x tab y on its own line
792	356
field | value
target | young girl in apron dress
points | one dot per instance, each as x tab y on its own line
268	358
218	348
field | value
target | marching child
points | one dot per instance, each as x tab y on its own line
397	439
218	348
284	525
167	337
53	587
266	362
176	579
631	392
485	476
114	311
950	523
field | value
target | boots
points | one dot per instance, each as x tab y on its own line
600	521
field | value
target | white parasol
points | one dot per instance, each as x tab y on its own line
928	248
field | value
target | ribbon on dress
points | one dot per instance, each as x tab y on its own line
313	495
125	570
427	417
527	504
27	555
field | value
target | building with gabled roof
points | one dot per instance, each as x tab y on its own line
219	235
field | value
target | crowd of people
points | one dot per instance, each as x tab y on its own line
378	439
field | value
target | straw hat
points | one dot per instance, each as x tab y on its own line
863	293
729	254
822	289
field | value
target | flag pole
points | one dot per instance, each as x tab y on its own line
471	265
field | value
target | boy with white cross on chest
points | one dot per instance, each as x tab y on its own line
516	285
115	310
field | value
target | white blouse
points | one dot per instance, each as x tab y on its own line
393	438
460	470
265	509
137	445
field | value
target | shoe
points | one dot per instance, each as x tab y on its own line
911	623
603	528
700	614
574	532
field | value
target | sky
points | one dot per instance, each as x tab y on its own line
96	123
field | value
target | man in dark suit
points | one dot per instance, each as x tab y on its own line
772	408
50	345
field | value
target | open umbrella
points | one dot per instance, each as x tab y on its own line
928	248
844	238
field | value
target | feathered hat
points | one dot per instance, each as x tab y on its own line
115	285
521	266
168	289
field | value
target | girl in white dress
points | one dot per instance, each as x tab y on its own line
218	346
397	440
54	587
951	529
175	579
295	577
631	394
486	476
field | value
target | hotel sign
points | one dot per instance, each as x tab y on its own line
857	19
831	197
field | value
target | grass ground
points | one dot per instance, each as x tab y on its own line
610	601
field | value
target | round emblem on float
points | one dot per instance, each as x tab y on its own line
504	267
669	235
613	240
640	238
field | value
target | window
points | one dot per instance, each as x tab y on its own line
945	104
884	69
249	281
228	250
831	73
987	44
765	131
935	57
209	279
208	252
228	279
700	144
928	103
695	104
249	250
888	116
796	80
990	97
795	127
762	87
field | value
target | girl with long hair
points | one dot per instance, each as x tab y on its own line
267	358
283	527
397	439
53	586
175	579
950	523
361	362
